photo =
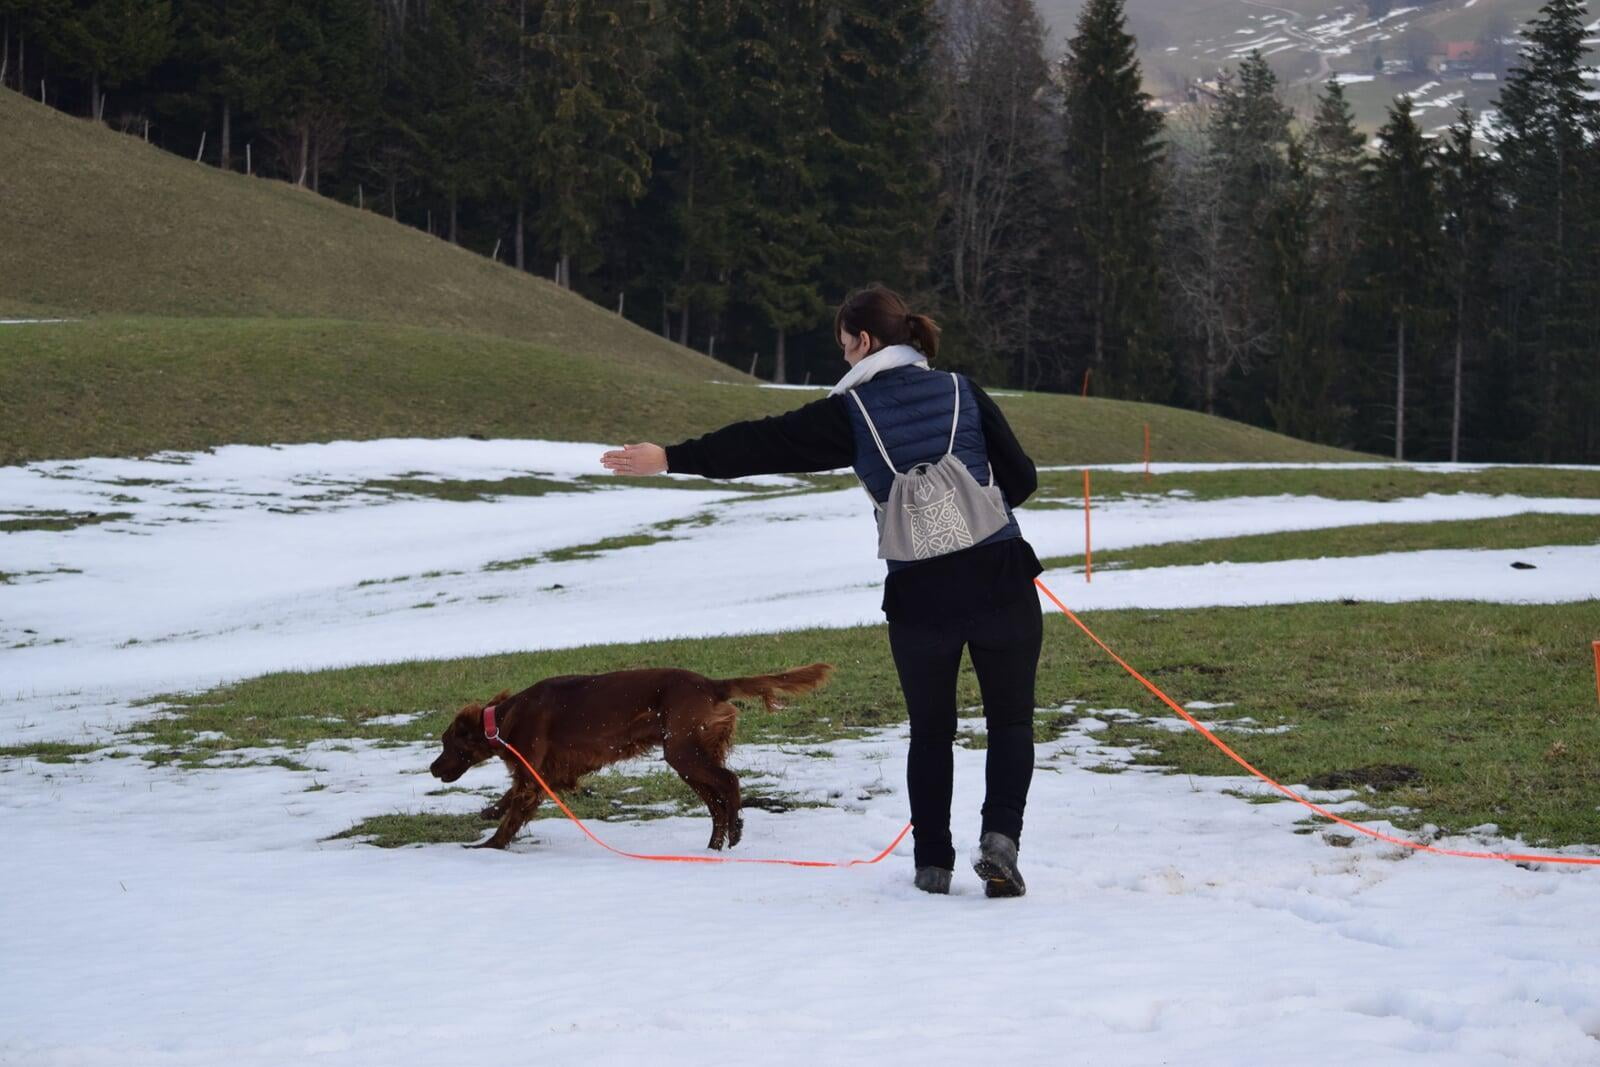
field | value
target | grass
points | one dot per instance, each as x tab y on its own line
165	237
1064	488
462	490
56	521
132	386
1515	531
1492	705
46	751
604	797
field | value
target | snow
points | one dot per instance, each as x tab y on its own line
164	916
248	560
1351	79
1164	921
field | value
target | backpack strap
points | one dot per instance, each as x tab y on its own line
884	452
955	417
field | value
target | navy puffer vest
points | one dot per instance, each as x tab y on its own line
911	407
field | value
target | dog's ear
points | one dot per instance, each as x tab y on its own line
501	697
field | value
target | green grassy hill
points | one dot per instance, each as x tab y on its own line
217	308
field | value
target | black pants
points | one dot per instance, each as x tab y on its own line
1004	643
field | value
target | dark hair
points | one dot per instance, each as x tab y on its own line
880	312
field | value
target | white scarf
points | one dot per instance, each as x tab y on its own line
871	366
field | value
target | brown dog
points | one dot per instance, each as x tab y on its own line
573	725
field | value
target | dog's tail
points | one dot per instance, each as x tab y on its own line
766	686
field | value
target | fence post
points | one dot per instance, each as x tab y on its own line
1088	554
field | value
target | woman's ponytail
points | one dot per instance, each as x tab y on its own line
924	335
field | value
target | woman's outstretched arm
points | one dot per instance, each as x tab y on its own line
816	437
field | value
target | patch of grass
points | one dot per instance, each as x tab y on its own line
56	521
1474	696
46	751
465	489
1515	531
605	544
1064	488
572	552
604	797
416	828
110	386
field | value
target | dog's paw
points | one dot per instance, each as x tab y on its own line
485	844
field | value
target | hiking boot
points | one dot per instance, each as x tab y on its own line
996	863
933	879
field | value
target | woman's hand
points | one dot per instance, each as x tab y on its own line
636	459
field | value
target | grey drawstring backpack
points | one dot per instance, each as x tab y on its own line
934	508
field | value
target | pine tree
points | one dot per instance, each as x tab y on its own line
1403	224
1335	174
1112	157
226	43
1220	261
879	180
696	173
784	131
1471	235
1548	156
593	144
111	42
1301	380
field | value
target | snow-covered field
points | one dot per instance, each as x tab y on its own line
169	916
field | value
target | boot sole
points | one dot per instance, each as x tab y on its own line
997	881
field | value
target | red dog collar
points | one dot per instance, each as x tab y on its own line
489	730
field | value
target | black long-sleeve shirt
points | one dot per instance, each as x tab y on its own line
819	437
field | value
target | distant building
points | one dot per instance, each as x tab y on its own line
1456	57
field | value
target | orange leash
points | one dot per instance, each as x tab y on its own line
551	793
1290	793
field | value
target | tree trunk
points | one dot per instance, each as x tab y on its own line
393	196
564	267
94	94
22	56
305	153
316	165
1210	374
780	371
5	51
227	135
453	218
1455	406
666	319
683	326
1400	397
518	235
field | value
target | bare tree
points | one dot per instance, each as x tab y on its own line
993	151
1207	262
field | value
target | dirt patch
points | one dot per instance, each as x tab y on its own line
1375	776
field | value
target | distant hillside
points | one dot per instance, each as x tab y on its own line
95	222
1306	41
223	309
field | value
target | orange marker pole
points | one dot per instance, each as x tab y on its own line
1147	451
1085	383
1597	668
1088	556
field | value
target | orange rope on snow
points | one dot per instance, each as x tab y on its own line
551	793
1290	793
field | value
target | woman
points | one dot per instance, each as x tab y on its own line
888	416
